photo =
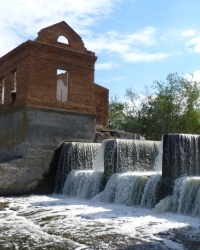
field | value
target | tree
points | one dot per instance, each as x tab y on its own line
133	106
117	117
190	118
174	107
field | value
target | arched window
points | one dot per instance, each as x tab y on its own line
63	39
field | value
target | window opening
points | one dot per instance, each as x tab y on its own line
13	85
62	85
63	39
2	90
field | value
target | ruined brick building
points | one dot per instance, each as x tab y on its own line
47	96
51	80
51	74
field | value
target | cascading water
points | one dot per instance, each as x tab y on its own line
119	156
124	189
181	155
136	155
74	155
151	194
186	196
83	184
122	168
122	156
181	173
132	189
129	156
60	222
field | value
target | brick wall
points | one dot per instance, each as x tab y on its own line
15	60
101	104
36	63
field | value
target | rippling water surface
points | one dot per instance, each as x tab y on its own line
58	222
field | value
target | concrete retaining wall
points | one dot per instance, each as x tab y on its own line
28	139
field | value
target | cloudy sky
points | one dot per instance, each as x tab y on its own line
136	41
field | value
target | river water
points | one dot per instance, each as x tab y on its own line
59	222
126	215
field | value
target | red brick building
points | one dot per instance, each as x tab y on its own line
47	96
51	74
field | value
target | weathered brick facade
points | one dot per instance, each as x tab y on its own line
101	104
47	96
34	65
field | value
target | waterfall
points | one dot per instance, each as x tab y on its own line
98	161
136	155
181	155
83	183
112	156
123	156
152	191
186	196
83	167
129	172
130	155
132	189
74	155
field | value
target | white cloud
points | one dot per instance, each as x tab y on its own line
113	41
190	38
175	35
194	77
144	57
137	102
145	37
115	79
187	33
194	44
20	20
106	66
128	47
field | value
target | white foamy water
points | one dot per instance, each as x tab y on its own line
60	222
186	196
83	184
133	188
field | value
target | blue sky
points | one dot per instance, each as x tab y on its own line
136	41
